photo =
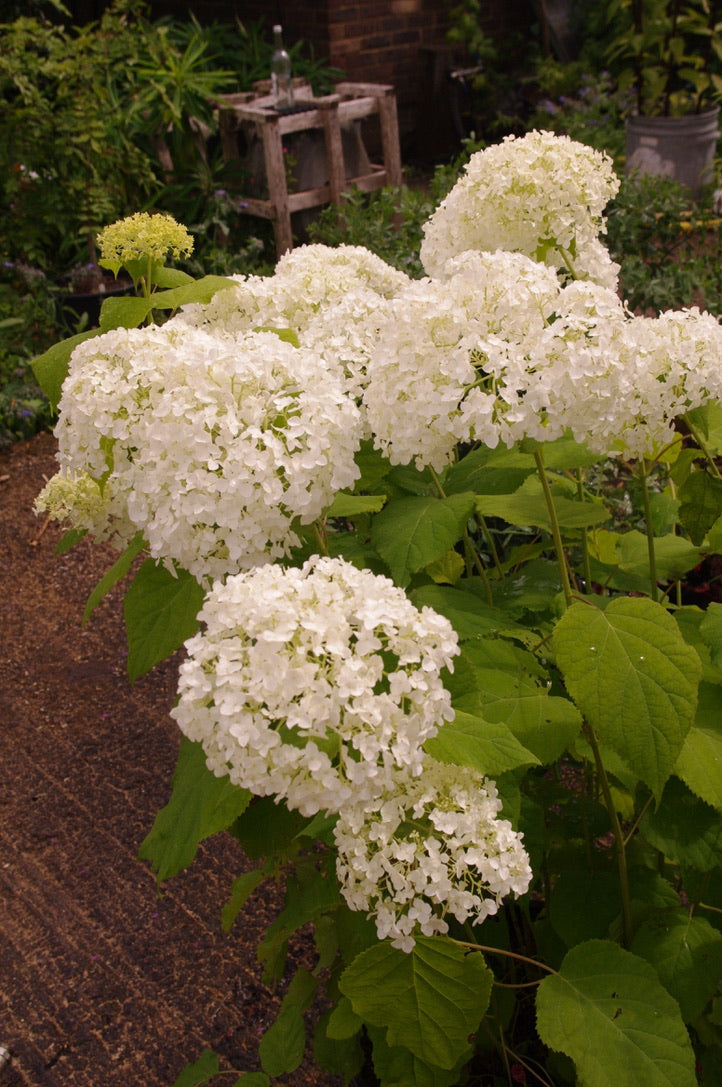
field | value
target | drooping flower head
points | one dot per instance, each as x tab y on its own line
429	848
538	194
313	684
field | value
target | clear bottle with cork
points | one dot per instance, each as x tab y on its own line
281	80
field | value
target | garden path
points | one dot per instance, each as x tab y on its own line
103	983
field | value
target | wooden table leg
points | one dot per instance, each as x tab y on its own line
277	187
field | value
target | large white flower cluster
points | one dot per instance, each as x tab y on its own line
538	194
432	847
332	298
451	351
498	351
315	684
214	447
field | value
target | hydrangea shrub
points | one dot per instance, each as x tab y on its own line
427	544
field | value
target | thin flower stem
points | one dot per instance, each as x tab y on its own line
492	546
618	838
437	483
637	821
508	954
556	532
473	556
644	477
694	431
712	909
585	542
320	534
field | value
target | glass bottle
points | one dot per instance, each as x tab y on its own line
281	81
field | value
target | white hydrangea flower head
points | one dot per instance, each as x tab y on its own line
617	382
568	376
676	367
314	684
332	298
448	348
539	194
417	375
216	445
324	273
431	847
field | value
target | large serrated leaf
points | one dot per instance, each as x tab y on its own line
200	290
160	615
412	532
490	748
400	1067
51	368
470	616
686	952
685	829
353	505
607	1010
701	504
200	805
201	1071
282	1046
634	678
429	1001
116	573
528	506
700	761
124	313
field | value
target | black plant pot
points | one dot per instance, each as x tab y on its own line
76	303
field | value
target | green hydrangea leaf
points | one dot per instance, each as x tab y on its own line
686	952
201	1071
412	532
685	829
607	1010
160	614
700	761
700	504
282	1046
429	1001
51	368
634	678
200	805
489	747
397	1066
123	313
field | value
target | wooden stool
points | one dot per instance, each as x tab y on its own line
350	102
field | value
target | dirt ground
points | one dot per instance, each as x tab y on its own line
103	982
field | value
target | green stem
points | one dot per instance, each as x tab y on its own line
618	838
556	532
694	431
320	534
508	954
585	542
492	546
473	558
643	476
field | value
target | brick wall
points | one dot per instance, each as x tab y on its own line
401	42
